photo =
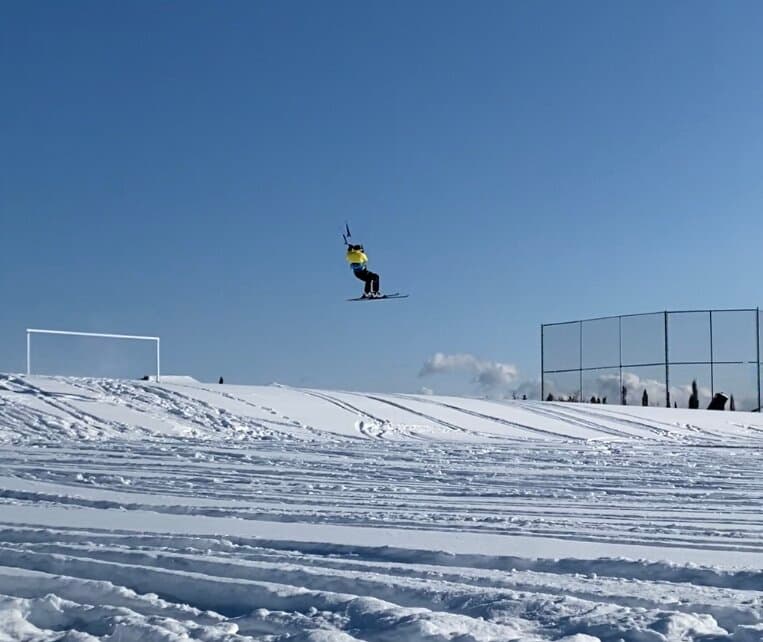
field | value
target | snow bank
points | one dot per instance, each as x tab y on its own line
34	408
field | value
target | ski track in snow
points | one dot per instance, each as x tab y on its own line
147	512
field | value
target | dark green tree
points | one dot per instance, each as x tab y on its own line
694	398
645	398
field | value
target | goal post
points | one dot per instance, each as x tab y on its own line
31	331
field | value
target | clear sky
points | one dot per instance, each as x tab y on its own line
185	168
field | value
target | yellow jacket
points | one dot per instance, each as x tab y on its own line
356	258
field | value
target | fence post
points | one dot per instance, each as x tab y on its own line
757	349
620	351
28	353
667	364
712	359
542	368
580	365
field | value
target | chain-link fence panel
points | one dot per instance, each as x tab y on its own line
687	358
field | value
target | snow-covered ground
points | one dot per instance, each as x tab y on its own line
176	511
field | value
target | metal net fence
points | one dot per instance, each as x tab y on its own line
656	359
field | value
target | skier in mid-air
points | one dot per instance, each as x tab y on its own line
356	257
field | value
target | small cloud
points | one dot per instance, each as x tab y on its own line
490	375
425	391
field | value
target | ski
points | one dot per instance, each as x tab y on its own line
393	295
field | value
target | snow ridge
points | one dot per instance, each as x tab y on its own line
51	408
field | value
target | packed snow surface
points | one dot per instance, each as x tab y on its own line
186	511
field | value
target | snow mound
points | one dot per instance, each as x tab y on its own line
178	379
38	408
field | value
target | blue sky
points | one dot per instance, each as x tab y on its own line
184	169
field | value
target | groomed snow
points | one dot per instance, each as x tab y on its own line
182	510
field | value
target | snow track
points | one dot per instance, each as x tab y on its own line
131	511
254	589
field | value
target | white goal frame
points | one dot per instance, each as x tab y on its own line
31	331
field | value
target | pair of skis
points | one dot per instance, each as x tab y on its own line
347	236
393	295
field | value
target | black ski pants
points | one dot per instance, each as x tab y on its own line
371	280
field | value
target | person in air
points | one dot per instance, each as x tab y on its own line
356	257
